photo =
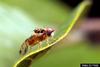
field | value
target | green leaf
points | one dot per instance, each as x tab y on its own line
17	21
62	30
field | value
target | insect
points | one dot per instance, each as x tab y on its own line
38	36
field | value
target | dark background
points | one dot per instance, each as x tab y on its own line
94	11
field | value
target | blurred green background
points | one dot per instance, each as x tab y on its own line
18	18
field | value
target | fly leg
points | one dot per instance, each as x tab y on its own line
47	41
39	45
30	48
51	39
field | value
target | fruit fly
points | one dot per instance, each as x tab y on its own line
38	36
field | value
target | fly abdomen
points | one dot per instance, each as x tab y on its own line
23	49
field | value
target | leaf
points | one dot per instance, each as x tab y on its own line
17	21
27	60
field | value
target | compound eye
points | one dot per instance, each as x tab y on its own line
42	31
36	31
